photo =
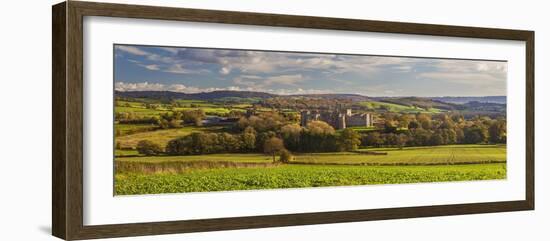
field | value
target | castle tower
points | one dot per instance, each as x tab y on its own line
341	122
369	119
304	117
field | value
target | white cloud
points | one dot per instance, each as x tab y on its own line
151	67
467	78
121	86
147	66
146	86
259	82
299	91
284	79
161	59
225	70
261	62
475	73
132	50
403	68
275	71
176	69
180	69
248	80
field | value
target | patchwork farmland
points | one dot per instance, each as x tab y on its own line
219	141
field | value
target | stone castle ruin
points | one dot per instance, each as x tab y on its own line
337	118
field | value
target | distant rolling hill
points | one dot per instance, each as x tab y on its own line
488	105
478	105
222	94
464	100
352	97
193	96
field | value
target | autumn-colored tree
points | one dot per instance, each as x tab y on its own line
318	136
148	148
413	125
249	138
285	156
405	120
272	146
373	139
390	126
320	128
475	134
349	140
291	135
425	121
401	140
497	131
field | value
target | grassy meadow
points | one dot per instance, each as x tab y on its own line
451	154
158	136
392	107
407	165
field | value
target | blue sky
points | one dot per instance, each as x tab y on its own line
193	70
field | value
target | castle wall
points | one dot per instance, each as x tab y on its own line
338	120
356	120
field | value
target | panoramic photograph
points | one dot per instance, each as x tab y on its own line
190	119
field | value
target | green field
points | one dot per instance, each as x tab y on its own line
194	102
239	157
297	176
363	129
139	109
208	110
126	152
391	107
450	154
160	137
407	165
127	129
144	112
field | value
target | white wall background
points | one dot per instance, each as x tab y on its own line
25	121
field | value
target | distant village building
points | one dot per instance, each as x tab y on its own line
338	119
218	121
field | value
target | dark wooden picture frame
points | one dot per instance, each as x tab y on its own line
67	159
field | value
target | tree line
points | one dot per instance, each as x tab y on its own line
172	119
278	134
432	130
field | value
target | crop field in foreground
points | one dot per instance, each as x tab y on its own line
299	176
199	173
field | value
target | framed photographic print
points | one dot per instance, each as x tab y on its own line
171	120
